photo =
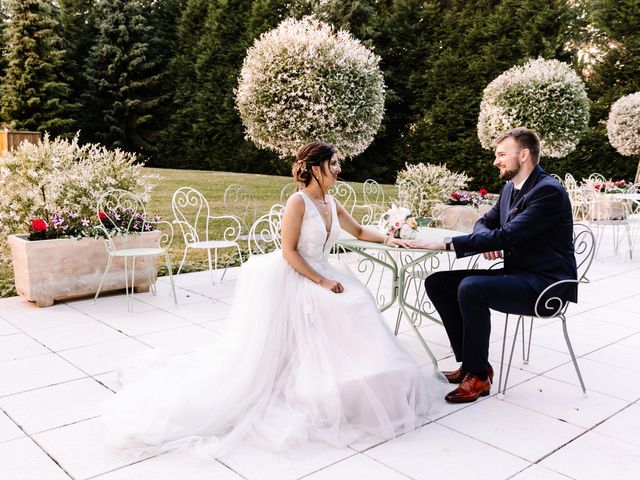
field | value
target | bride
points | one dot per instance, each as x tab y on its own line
307	355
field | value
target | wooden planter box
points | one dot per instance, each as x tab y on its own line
60	269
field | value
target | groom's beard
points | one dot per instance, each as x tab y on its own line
510	174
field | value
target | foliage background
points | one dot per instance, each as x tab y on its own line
157	77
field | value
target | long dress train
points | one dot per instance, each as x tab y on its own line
297	363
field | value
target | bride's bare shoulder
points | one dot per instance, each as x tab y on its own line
295	204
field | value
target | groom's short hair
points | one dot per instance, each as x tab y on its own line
525	138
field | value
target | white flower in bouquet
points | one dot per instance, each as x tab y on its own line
399	223
623	125
544	95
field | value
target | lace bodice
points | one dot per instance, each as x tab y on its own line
314	244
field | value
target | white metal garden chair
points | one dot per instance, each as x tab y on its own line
548	306
373	195
287	190
345	194
460	218
240	203
265	233
121	212
192	214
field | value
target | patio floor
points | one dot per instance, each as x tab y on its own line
56	367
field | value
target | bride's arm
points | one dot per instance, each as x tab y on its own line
349	224
291	223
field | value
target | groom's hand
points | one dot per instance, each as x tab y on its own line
492	255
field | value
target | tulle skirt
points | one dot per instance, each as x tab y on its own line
298	363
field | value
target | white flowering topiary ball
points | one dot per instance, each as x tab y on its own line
544	95
304	81
623	125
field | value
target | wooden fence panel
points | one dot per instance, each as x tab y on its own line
11	139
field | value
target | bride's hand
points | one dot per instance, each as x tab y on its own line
335	287
398	242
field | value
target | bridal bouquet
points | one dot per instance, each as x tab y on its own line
399	223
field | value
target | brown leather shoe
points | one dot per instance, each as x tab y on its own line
456	376
469	390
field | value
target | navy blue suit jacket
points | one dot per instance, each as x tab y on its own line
535	231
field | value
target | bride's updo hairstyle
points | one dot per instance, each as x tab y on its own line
308	156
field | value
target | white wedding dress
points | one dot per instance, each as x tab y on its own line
298	363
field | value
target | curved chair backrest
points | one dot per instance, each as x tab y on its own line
569	181
191	212
584	246
345	194
287	190
365	214
597	178
557	177
457	217
240	202
373	193
121	211
264	235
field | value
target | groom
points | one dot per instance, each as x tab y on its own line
530	227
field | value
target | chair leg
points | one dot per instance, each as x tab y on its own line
104	276
212	275
184	257
133	283
573	355
504	340
526	359
398	319
173	286
513	347
152	285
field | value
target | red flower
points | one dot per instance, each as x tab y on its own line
483	192
102	215
455	195
597	186
38	225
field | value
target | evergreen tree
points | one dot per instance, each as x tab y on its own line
123	77
475	42
179	146
221	51
35	93
613	76
78	30
3	39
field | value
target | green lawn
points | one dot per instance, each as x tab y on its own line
266	189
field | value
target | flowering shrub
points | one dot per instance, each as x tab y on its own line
124	220
68	224
304	81
59	182
480	197
544	95
623	125
421	186
399	223
613	186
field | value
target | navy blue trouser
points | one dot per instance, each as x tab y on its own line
463	299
